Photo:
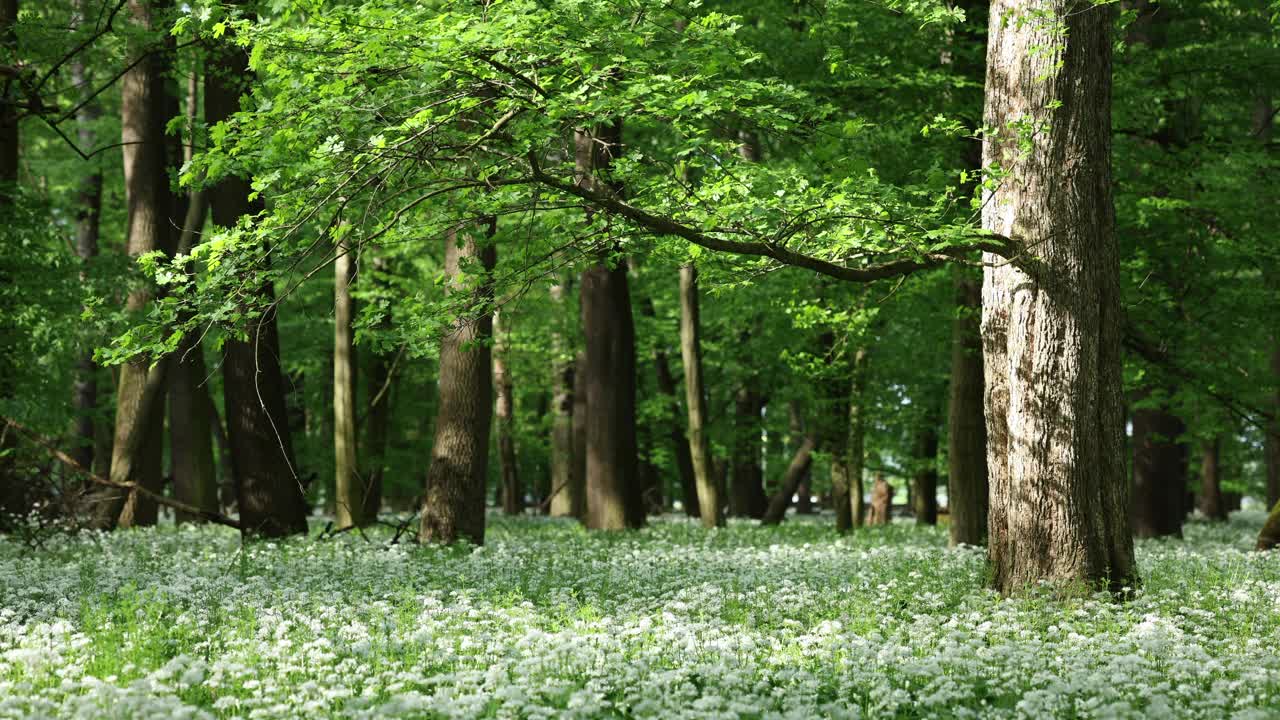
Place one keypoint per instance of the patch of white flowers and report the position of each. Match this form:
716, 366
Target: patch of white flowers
673, 622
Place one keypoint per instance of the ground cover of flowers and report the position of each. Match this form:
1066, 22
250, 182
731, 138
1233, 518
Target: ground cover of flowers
673, 622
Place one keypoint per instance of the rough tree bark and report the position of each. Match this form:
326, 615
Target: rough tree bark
268, 491
1051, 321
966, 425
1211, 503
505, 410
1160, 459
614, 499
348, 487
568, 496
454, 506
709, 503
151, 210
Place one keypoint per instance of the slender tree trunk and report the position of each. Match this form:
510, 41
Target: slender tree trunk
746, 483
800, 465
568, 495
924, 483
579, 505
1051, 320
881, 502
268, 491
855, 454
679, 443
1263, 122
348, 486
375, 428
709, 503
190, 421
505, 409
614, 500
967, 487
454, 507
1211, 504
1159, 473
151, 211
88, 225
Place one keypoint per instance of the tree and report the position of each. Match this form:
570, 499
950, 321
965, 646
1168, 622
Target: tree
695, 399
349, 490
1160, 458
1211, 501
268, 491
512, 492
924, 482
614, 500
454, 505
568, 494
967, 488
1051, 320
139, 425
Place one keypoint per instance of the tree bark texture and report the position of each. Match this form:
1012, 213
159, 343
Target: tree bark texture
614, 499
967, 487
1160, 459
151, 210
348, 486
268, 491
1051, 323
505, 409
454, 507
709, 503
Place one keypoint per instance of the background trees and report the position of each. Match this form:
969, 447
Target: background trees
812, 166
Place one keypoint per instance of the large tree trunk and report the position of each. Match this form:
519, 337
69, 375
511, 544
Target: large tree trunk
799, 468
967, 487
746, 476
614, 499
505, 409
268, 491
348, 486
151, 210
709, 503
568, 496
1159, 473
454, 507
924, 482
1211, 503
1051, 319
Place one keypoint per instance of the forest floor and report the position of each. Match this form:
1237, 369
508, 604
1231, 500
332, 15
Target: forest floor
672, 622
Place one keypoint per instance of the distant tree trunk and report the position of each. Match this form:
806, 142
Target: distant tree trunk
568, 495
855, 453
349, 490
679, 443
454, 507
881, 502
505, 409
614, 499
579, 505
709, 503
966, 426
11, 485
801, 462
804, 496
1051, 321
1271, 446
746, 483
190, 422
1159, 473
375, 428
842, 405
268, 491
88, 226
1211, 504
924, 483
151, 211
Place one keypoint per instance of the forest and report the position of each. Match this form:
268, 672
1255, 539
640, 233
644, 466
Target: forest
639, 358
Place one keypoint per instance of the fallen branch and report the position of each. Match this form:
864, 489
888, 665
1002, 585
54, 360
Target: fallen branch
65, 459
